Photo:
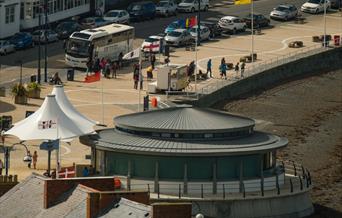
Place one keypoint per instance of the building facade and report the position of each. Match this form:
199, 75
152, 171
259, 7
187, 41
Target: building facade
9, 17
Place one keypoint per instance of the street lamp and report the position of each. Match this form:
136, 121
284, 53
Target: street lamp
7, 149
45, 38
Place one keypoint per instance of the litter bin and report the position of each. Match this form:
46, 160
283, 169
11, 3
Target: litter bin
70, 74
337, 39
33, 78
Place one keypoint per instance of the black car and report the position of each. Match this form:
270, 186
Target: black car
65, 29
337, 4
215, 29
142, 11
259, 21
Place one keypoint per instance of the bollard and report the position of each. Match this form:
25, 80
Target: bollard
201, 190
10, 178
224, 192
179, 191
291, 185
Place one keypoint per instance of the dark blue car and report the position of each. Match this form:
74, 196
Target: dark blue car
22, 40
142, 11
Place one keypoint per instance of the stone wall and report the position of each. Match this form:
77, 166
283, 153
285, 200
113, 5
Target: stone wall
326, 61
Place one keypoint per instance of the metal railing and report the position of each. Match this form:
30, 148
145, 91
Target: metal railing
296, 179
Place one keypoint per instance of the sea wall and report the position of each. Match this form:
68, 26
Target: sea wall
326, 61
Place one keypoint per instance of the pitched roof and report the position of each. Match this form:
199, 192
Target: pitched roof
29, 195
126, 209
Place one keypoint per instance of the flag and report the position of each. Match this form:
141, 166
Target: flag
242, 2
187, 23
182, 23
132, 54
193, 21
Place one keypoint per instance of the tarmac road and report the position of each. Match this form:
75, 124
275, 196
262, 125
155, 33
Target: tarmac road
29, 57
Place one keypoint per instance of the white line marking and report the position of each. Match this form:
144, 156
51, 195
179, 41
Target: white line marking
68, 150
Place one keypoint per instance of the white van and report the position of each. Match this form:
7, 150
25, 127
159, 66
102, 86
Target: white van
232, 24
193, 5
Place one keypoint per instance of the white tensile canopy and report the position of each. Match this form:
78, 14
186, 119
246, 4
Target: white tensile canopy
49, 122
64, 103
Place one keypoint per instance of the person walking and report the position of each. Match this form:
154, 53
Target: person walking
153, 60
141, 80
242, 69
120, 57
1, 166
114, 67
136, 75
223, 70
89, 66
237, 69
34, 159
107, 68
209, 72
30, 157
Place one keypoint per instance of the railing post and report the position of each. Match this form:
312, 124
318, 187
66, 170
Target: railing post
158, 190
303, 171
301, 183
294, 168
224, 191
277, 184
148, 188
282, 163
262, 187
243, 190
309, 176
201, 190
291, 185
179, 191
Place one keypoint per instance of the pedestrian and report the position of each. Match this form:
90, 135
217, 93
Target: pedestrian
209, 72
97, 65
29, 159
89, 65
141, 79
85, 172
237, 70
223, 70
1, 166
103, 63
120, 60
34, 159
191, 68
153, 60
107, 68
242, 69
149, 73
114, 67
136, 75
167, 60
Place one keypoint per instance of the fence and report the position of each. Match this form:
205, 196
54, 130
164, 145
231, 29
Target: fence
292, 178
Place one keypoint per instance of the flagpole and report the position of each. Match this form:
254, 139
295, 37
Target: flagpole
58, 152
252, 28
139, 80
325, 24
196, 65
102, 97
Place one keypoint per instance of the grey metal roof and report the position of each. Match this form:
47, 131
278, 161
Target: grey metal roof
183, 119
114, 140
127, 209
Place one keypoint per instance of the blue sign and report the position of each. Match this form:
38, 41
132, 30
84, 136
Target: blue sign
49, 145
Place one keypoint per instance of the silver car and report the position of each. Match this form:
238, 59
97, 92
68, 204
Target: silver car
6, 47
284, 12
178, 37
39, 35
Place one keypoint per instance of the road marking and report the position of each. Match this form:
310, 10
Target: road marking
68, 150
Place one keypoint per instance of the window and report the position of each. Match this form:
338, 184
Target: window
10, 12
22, 8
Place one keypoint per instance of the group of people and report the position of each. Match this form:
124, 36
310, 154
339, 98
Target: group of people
107, 66
223, 68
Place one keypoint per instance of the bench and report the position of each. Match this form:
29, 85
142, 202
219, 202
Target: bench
296, 44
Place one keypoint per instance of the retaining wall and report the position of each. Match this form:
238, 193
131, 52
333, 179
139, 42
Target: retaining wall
329, 60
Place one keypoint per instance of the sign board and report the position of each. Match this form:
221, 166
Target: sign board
49, 145
47, 124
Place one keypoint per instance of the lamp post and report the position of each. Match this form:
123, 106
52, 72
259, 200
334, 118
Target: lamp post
39, 54
45, 38
7, 150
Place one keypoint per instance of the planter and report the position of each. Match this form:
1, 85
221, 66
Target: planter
20, 99
35, 93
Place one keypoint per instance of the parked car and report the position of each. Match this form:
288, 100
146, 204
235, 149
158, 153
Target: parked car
142, 10
22, 40
152, 44
336, 4
65, 29
259, 21
284, 12
205, 32
232, 24
39, 35
6, 47
174, 25
166, 8
178, 37
214, 28
315, 6
193, 5
117, 16
93, 22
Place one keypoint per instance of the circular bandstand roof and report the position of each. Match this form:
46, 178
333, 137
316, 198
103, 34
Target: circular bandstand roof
184, 131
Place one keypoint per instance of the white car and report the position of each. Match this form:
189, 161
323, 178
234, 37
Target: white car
152, 44
166, 8
39, 35
205, 32
232, 24
6, 47
315, 6
117, 16
192, 5
178, 37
